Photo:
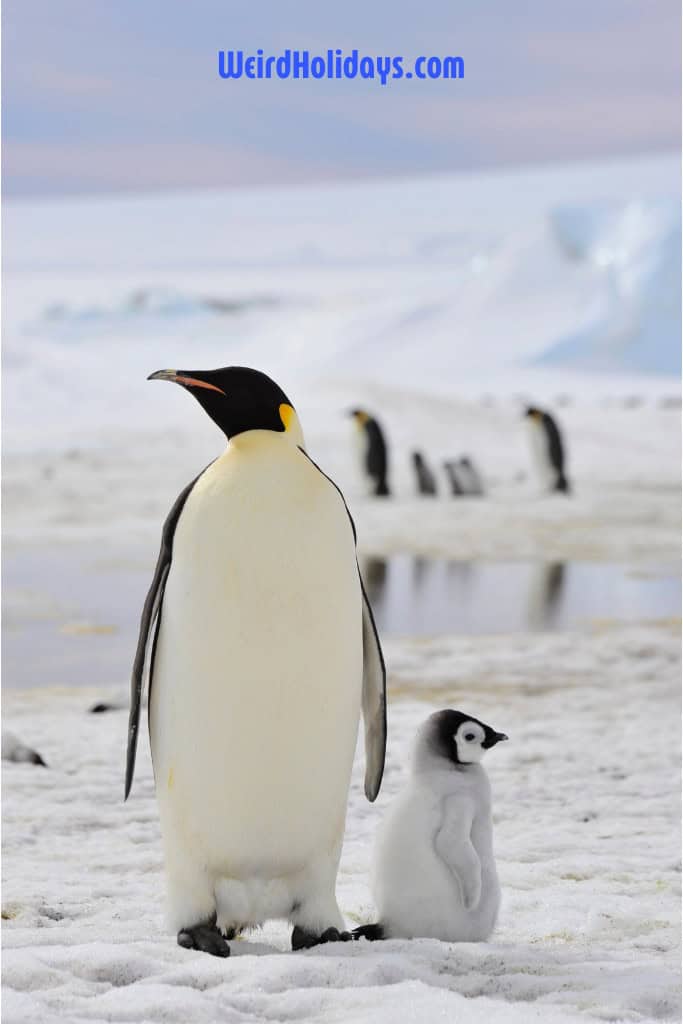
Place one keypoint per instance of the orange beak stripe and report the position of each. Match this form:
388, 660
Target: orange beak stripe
193, 382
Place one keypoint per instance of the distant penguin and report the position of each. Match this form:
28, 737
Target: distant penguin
434, 873
470, 477
453, 477
426, 481
14, 750
262, 651
548, 450
372, 448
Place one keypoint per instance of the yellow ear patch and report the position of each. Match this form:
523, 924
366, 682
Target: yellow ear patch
361, 418
287, 415
170, 779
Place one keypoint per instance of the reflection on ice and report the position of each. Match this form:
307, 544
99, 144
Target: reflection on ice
85, 632
422, 596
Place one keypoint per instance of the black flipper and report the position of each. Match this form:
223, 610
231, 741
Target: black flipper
374, 701
374, 681
151, 613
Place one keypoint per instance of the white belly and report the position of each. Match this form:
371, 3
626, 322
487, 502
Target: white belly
257, 680
366, 484
539, 452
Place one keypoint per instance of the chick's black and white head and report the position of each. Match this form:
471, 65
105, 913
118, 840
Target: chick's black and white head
460, 738
238, 399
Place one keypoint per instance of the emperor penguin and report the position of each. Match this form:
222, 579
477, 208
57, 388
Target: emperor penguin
262, 649
372, 450
548, 449
471, 477
426, 481
434, 873
453, 476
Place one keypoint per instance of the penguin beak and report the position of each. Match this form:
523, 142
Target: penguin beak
188, 379
492, 739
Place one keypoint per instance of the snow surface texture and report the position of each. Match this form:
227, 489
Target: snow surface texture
585, 830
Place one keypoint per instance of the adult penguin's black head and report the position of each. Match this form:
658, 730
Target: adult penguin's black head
238, 399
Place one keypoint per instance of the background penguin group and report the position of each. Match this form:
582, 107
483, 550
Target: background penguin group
462, 475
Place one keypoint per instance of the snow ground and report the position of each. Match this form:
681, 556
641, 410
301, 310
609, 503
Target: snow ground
586, 830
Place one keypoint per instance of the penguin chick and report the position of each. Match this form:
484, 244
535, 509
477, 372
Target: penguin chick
373, 453
434, 874
453, 476
472, 478
426, 481
14, 750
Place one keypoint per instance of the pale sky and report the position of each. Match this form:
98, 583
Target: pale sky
108, 95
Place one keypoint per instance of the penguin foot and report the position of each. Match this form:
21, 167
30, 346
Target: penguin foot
204, 937
371, 932
301, 939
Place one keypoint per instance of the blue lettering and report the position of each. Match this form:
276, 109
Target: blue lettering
383, 68
230, 63
453, 67
300, 64
283, 65
367, 68
351, 65
318, 67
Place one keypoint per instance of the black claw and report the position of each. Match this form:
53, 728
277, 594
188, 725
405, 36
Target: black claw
371, 932
204, 937
301, 939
